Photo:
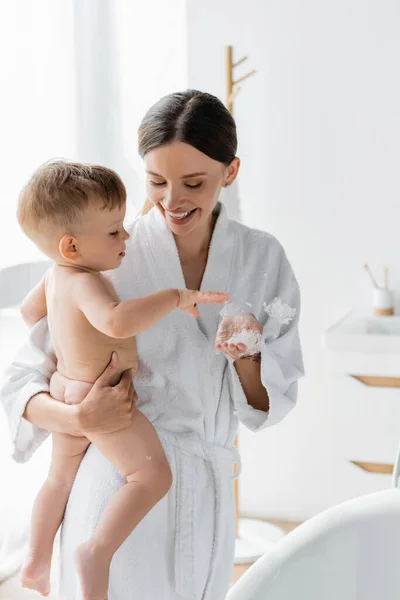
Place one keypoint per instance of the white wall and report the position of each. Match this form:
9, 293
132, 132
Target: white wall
319, 130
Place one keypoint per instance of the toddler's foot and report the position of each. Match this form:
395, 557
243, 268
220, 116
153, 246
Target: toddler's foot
36, 576
93, 568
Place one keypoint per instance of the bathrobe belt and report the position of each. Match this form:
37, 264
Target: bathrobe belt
221, 461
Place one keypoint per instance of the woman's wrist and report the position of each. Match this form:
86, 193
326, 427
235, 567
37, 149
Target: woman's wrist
81, 418
75, 419
254, 357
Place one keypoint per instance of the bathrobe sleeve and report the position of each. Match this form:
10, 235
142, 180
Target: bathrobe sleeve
29, 373
281, 356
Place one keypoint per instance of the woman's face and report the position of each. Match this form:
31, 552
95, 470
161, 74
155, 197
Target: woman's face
184, 184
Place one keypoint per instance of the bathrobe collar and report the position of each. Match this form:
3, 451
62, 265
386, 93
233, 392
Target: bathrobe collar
162, 248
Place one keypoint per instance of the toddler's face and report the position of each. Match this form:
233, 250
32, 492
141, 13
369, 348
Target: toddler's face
102, 239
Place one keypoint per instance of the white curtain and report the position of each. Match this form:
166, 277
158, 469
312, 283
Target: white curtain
37, 107
76, 77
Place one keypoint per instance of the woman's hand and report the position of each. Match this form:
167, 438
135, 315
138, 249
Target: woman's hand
239, 336
108, 408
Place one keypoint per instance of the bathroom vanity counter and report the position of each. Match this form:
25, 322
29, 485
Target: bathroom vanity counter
365, 343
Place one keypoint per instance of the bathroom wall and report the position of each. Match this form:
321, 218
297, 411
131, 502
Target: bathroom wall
319, 129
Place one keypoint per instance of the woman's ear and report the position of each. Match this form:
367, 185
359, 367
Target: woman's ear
232, 171
68, 248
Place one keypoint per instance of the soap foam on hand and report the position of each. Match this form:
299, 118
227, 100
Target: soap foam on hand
249, 337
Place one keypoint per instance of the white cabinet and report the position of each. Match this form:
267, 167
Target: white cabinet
365, 419
362, 389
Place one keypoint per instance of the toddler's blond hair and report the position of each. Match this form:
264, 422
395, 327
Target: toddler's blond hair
60, 191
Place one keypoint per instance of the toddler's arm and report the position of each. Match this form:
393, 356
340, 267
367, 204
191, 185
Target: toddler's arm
34, 307
127, 319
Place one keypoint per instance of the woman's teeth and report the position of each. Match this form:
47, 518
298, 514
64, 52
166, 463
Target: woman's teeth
179, 215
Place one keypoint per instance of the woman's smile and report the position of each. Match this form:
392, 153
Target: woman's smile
180, 218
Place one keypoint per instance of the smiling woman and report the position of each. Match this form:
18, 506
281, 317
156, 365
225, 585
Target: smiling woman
205, 154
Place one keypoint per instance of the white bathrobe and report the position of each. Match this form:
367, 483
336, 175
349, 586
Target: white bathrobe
184, 548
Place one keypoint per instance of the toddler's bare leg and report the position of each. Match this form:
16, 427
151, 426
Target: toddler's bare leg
48, 509
137, 452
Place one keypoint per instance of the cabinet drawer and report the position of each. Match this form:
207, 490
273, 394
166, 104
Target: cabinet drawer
365, 420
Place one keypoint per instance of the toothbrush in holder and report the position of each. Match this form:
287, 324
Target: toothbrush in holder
382, 299
373, 280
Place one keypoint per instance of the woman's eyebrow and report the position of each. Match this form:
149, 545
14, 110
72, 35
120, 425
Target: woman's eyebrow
188, 176
192, 175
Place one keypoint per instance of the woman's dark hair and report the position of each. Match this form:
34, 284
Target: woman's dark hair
193, 117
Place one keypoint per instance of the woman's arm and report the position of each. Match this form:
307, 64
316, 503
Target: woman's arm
44, 412
249, 372
29, 374
247, 365
264, 386
31, 411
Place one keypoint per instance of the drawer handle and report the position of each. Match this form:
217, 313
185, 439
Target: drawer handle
370, 467
375, 381
382, 468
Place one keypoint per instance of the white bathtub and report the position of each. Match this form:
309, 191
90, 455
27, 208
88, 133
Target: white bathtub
349, 552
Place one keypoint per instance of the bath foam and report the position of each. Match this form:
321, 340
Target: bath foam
249, 337
280, 311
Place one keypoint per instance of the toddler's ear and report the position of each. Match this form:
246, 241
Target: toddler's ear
68, 248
